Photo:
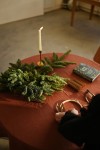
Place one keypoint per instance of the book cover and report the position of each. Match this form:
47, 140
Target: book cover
88, 72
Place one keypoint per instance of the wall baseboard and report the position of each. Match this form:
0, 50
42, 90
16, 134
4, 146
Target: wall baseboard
96, 11
52, 8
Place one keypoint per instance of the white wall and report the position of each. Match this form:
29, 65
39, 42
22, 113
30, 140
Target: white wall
52, 5
12, 10
58, 3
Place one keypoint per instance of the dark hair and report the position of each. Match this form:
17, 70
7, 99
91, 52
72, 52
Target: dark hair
94, 105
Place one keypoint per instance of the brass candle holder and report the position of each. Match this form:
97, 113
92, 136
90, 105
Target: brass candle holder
40, 63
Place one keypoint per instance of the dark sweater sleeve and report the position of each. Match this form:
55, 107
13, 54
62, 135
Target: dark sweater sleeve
83, 111
68, 116
72, 127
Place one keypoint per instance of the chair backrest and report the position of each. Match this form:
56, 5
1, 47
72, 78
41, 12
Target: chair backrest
96, 57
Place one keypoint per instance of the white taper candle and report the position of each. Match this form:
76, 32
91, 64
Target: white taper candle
40, 39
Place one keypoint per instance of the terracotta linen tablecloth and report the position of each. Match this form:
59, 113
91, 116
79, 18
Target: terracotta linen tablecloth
32, 126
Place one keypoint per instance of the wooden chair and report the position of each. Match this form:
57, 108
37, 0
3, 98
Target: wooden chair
96, 57
93, 3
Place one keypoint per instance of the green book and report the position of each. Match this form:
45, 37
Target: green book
88, 72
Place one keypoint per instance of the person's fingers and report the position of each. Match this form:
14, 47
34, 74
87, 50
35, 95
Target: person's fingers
74, 111
59, 115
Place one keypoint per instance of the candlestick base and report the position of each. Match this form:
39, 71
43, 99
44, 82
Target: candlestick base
40, 63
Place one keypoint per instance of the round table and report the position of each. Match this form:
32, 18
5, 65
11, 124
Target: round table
32, 126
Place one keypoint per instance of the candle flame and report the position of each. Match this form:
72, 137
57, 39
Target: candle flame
41, 28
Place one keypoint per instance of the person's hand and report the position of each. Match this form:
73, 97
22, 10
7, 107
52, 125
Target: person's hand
74, 111
59, 115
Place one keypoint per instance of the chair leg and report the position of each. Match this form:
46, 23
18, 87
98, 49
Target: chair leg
91, 13
96, 57
73, 12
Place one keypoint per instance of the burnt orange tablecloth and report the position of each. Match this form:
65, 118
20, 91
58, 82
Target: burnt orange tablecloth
32, 126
